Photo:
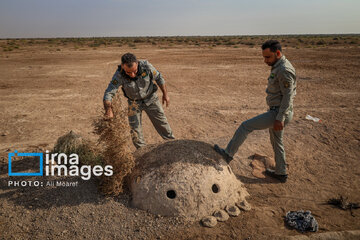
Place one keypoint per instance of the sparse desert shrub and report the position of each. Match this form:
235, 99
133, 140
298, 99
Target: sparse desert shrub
321, 42
74, 143
11, 43
229, 43
94, 45
139, 40
249, 43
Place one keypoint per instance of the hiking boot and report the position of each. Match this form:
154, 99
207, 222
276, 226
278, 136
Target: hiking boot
271, 173
222, 152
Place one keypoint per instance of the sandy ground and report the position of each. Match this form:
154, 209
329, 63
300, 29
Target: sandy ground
45, 94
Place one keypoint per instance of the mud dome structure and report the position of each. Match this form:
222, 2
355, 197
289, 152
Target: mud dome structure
184, 178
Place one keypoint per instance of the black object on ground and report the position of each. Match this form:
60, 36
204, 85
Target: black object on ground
302, 221
271, 173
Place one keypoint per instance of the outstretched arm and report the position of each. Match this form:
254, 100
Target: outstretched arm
109, 94
161, 83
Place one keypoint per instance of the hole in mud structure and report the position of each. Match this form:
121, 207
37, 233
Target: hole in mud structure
171, 194
215, 188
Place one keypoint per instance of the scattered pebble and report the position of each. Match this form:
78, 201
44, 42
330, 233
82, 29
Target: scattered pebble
232, 210
221, 215
244, 205
209, 221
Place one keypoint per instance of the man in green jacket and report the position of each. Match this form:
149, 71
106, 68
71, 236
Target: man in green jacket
281, 90
136, 79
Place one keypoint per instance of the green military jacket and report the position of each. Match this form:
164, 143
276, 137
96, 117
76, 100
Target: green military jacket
139, 88
281, 88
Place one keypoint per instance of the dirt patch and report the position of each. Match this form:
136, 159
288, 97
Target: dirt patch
260, 163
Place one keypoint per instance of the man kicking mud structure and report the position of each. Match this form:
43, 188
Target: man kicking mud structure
281, 90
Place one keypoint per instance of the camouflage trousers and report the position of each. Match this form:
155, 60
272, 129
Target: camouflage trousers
263, 121
156, 114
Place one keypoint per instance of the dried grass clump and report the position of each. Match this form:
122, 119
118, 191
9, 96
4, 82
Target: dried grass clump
74, 143
114, 137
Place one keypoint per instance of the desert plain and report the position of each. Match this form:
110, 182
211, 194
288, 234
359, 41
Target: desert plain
51, 86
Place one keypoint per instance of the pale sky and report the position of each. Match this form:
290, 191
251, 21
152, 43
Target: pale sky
117, 18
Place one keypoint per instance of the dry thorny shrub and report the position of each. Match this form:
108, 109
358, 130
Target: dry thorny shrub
74, 143
114, 137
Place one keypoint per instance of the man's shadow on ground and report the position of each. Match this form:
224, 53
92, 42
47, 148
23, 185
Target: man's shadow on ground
254, 180
259, 164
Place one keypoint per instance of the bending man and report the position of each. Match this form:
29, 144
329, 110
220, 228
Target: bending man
136, 81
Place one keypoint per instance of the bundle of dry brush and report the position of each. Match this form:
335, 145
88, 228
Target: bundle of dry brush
115, 140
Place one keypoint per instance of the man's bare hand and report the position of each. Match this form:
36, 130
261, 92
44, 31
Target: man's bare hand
166, 99
108, 114
278, 125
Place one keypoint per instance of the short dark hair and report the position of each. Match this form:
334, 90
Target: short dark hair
274, 45
128, 59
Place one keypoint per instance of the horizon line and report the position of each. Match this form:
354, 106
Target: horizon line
164, 36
